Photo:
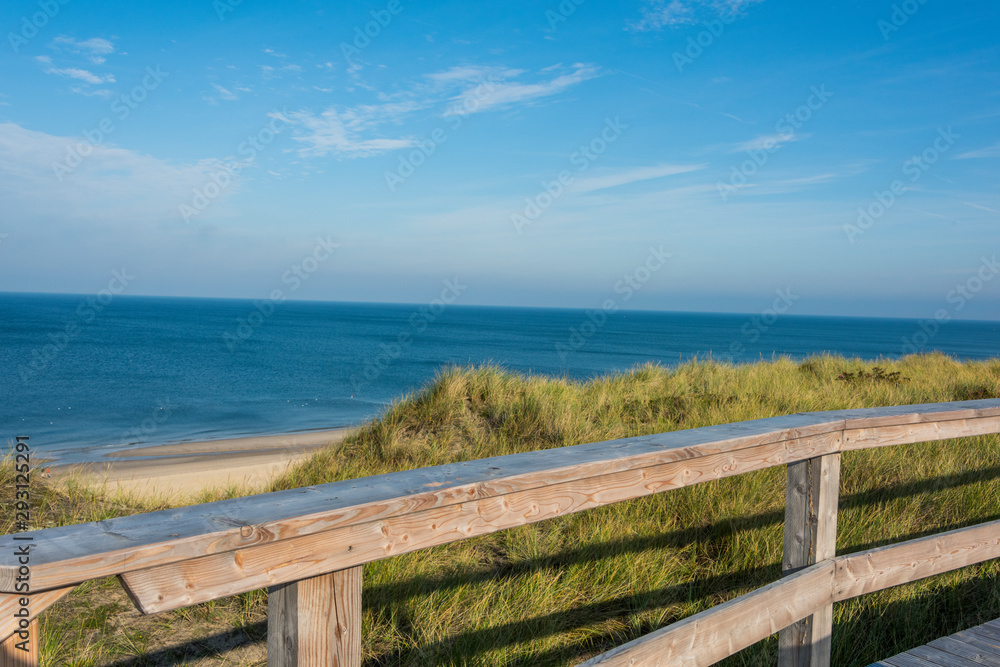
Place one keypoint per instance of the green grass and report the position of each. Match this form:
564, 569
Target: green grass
563, 590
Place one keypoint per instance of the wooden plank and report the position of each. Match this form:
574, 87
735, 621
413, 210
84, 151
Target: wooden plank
987, 630
943, 658
907, 660
87, 551
977, 643
885, 436
966, 650
316, 622
714, 634
811, 495
990, 642
181, 584
11, 603
17, 651
876, 569
917, 413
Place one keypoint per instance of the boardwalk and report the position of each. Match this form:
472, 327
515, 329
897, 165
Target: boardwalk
975, 647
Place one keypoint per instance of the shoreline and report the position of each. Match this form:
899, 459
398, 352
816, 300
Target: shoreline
181, 470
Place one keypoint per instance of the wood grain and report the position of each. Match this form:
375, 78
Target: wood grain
712, 635
701, 639
79, 553
10, 603
966, 650
884, 436
877, 569
812, 491
316, 622
12, 656
87, 551
181, 584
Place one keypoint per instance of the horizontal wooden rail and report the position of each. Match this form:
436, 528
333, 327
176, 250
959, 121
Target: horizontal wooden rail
188, 555
717, 633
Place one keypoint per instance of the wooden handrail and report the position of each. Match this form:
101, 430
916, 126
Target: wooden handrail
717, 633
184, 556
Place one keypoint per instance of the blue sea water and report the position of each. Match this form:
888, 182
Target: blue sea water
82, 378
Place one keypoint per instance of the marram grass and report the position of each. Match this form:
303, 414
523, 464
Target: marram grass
563, 590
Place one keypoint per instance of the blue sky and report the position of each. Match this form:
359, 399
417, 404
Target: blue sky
534, 151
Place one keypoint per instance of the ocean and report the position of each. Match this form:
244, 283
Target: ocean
87, 375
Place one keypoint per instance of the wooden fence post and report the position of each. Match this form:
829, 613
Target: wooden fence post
12, 656
316, 622
810, 536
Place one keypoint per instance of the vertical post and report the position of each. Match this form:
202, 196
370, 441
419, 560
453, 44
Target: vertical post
12, 656
316, 622
811, 496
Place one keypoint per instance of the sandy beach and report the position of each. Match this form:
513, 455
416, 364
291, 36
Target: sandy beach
177, 471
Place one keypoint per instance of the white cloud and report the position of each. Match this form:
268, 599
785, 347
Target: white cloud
94, 49
624, 177
491, 93
225, 93
659, 14
465, 74
338, 133
270, 72
110, 184
768, 141
347, 132
92, 92
81, 74
981, 207
988, 152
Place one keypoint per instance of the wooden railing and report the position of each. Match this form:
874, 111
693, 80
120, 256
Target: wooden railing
307, 545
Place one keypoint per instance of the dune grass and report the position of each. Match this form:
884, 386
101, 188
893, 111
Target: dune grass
560, 591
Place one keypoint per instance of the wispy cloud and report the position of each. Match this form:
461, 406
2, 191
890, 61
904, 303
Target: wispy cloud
980, 207
111, 183
660, 14
75, 73
498, 94
768, 141
988, 152
94, 49
84, 76
269, 72
352, 132
634, 175
339, 133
